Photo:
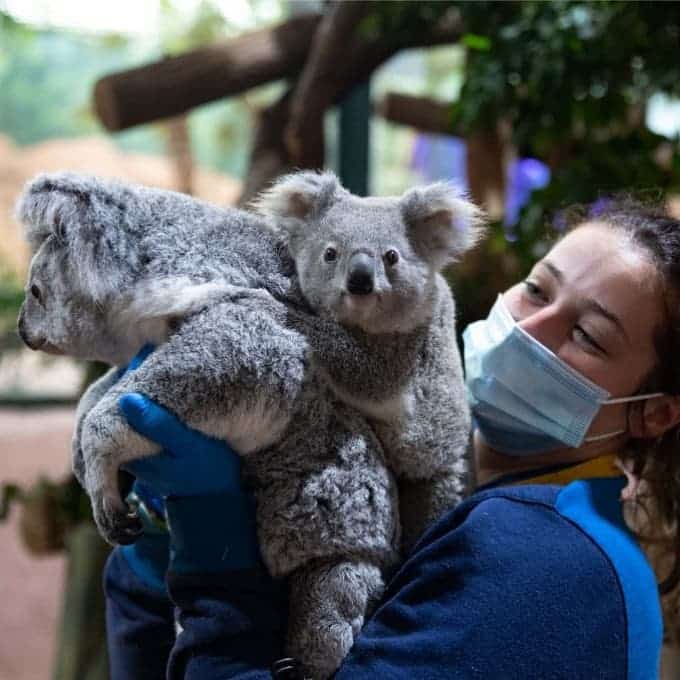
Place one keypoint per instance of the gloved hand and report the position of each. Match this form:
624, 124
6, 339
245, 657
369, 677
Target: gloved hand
210, 518
190, 464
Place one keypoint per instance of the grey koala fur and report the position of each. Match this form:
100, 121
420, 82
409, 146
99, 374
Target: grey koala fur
240, 356
397, 361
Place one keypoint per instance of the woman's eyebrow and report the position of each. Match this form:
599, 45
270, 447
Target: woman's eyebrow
590, 303
553, 270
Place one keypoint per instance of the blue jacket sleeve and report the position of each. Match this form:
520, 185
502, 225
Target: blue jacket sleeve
231, 615
504, 587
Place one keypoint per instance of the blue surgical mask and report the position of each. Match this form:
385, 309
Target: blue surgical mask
524, 399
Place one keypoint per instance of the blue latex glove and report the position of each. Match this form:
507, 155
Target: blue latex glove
190, 464
210, 518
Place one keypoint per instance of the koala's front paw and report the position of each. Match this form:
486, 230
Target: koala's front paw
117, 524
106, 442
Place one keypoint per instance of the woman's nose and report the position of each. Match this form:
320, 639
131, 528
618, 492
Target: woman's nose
547, 325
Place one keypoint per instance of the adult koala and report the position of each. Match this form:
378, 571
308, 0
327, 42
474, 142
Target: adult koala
240, 356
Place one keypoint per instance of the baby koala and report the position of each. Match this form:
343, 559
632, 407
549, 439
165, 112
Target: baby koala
371, 267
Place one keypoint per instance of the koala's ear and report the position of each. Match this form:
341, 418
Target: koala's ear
301, 196
90, 222
442, 224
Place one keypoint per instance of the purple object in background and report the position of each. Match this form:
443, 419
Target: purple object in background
441, 157
525, 175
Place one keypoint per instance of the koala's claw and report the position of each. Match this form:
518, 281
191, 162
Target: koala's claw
118, 525
124, 529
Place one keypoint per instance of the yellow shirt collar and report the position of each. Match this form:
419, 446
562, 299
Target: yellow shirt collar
603, 466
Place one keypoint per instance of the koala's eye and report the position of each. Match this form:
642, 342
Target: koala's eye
391, 257
35, 292
330, 255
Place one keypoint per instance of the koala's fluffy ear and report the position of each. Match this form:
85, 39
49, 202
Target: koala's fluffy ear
88, 220
300, 195
442, 223
296, 200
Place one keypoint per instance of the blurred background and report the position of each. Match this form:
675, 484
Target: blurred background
531, 107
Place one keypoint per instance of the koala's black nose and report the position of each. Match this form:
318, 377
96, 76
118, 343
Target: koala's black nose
27, 340
21, 327
360, 276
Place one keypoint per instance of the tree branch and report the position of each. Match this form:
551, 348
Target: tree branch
177, 84
426, 115
331, 80
268, 157
317, 85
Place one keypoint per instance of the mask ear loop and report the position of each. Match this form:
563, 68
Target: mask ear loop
638, 397
600, 437
622, 400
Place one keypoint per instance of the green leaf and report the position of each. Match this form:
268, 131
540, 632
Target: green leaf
476, 42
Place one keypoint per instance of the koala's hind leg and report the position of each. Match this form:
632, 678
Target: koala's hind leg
329, 602
423, 501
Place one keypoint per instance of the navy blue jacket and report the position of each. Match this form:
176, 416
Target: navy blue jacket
533, 581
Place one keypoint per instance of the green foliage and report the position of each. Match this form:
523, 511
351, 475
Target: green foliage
11, 297
46, 79
562, 68
396, 21
571, 80
206, 25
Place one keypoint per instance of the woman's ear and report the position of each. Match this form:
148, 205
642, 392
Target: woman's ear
656, 416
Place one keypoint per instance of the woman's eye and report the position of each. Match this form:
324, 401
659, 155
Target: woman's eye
330, 255
391, 257
587, 339
534, 291
35, 292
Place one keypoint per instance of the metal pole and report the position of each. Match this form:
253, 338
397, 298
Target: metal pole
355, 111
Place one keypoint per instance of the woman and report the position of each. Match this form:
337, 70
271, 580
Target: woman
572, 375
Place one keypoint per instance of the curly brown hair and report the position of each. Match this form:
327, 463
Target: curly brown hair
656, 463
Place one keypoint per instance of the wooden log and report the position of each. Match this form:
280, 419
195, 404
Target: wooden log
269, 156
176, 84
356, 62
422, 113
316, 87
178, 145
488, 151
488, 156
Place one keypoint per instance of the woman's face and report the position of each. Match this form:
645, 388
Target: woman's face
595, 301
